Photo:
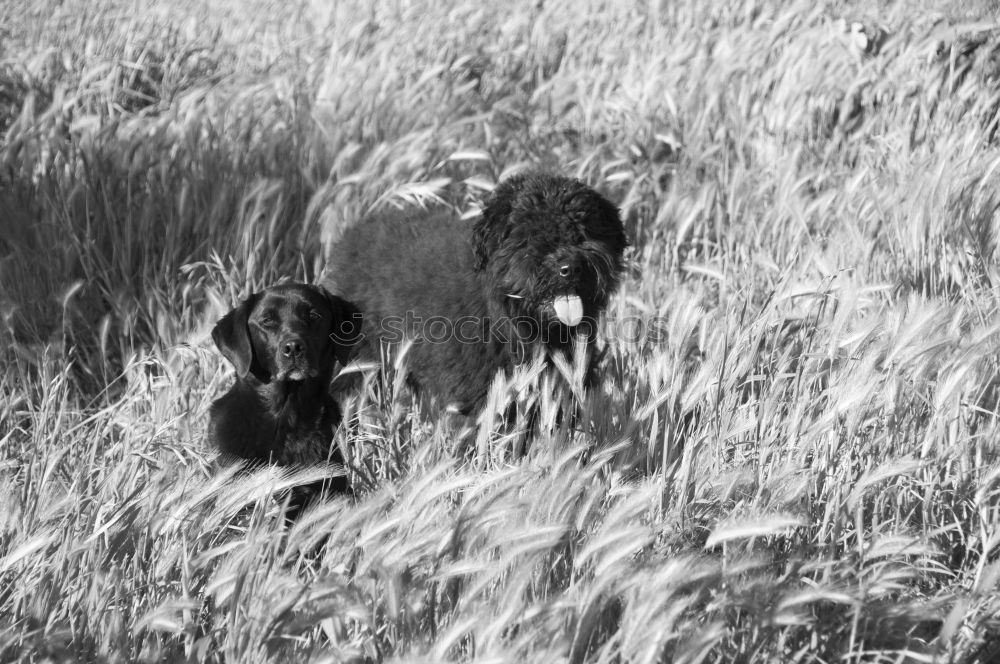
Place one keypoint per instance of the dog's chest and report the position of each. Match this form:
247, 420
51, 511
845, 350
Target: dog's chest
304, 440
306, 449
304, 437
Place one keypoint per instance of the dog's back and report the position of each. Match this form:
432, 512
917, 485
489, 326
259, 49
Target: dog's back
413, 279
391, 264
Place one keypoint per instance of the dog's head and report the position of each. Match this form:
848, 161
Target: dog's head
290, 332
550, 249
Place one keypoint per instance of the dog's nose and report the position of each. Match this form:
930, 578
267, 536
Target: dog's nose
292, 348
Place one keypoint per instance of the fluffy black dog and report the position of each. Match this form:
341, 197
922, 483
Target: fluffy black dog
537, 268
284, 343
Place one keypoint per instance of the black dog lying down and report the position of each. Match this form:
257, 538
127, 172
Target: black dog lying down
533, 273
283, 343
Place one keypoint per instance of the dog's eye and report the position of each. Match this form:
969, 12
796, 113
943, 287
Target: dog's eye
314, 315
268, 321
565, 270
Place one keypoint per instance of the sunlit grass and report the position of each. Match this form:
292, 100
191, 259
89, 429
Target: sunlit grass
800, 466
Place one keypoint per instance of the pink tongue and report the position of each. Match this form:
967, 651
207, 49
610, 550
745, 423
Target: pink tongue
569, 309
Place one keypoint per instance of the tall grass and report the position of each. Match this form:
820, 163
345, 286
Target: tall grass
801, 466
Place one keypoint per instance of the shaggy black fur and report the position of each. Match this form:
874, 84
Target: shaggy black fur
284, 343
495, 282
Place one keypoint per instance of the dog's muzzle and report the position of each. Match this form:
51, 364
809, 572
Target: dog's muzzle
569, 309
296, 369
296, 374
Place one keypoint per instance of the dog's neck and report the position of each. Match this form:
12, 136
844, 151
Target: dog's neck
296, 404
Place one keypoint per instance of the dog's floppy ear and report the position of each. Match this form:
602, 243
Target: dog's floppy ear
232, 336
609, 227
345, 329
494, 225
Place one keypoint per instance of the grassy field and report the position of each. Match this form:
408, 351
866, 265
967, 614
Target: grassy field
802, 467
